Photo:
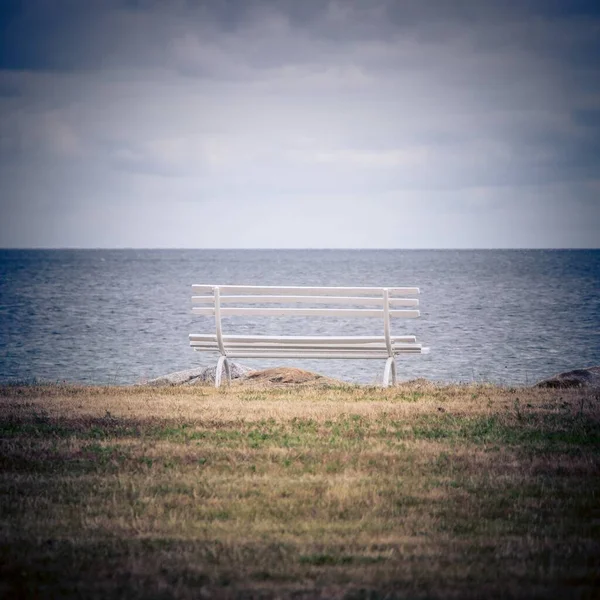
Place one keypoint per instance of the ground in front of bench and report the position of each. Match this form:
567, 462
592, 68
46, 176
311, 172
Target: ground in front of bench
299, 492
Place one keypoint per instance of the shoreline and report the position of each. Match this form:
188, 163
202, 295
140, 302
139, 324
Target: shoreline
584, 378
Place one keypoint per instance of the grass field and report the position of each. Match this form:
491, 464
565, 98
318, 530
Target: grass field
419, 491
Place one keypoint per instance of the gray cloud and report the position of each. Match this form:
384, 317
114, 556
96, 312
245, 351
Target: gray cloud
478, 115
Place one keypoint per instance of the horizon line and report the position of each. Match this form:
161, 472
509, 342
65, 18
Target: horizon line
279, 249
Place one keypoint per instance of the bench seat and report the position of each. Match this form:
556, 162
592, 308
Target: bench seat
248, 346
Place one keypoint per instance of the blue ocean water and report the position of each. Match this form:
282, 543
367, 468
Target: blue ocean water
122, 316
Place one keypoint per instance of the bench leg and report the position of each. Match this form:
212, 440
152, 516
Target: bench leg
222, 362
390, 367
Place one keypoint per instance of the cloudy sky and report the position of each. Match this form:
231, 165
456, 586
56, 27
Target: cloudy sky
287, 123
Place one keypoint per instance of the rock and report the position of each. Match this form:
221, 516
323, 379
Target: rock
282, 375
587, 378
199, 375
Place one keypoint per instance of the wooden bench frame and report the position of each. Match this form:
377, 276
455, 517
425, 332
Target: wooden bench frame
383, 303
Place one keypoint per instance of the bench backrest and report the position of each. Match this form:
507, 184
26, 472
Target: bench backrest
241, 300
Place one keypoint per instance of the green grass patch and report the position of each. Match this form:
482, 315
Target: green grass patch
348, 493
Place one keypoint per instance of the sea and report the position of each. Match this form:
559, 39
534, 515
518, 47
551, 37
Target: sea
510, 317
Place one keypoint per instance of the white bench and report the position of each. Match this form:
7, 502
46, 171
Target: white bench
218, 301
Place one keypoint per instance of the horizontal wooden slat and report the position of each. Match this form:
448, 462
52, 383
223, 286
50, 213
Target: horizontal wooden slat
298, 347
304, 291
404, 302
296, 350
300, 344
354, 339
305, 312
362, 301
303, 354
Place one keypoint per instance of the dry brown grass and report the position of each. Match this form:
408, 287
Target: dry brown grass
299, 491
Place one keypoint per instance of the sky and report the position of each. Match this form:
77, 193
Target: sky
300, 124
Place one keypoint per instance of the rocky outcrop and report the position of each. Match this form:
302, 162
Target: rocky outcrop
276, 376
199, 376
579, 378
